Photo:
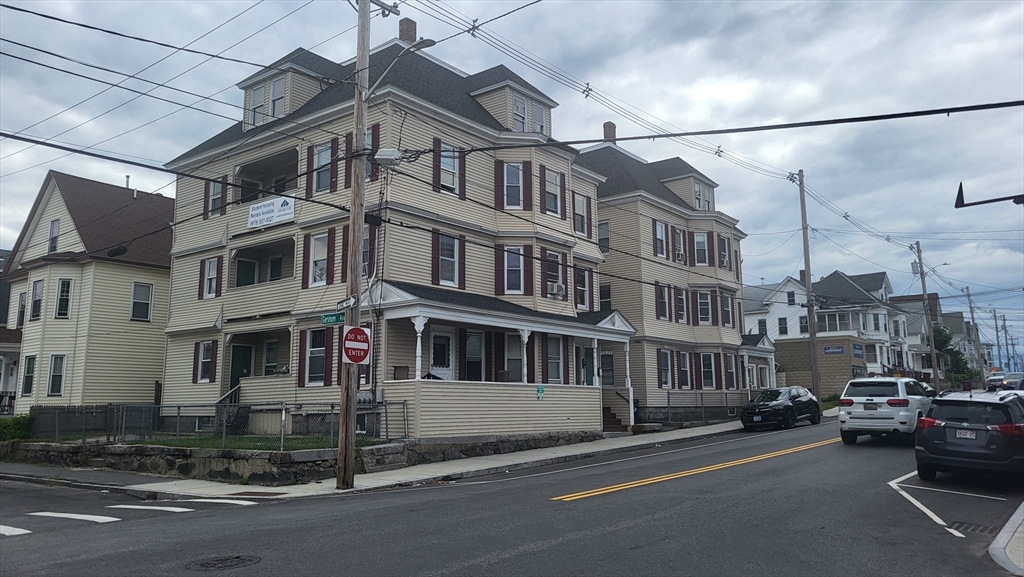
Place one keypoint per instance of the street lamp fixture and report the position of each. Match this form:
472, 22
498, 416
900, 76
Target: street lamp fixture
418, 45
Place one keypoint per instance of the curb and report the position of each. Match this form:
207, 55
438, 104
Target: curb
997, 550
53, 481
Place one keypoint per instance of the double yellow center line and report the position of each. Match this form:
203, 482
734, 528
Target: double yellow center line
681, 474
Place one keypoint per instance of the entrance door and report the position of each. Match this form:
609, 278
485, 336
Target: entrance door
584, 365
241, 366
441, 353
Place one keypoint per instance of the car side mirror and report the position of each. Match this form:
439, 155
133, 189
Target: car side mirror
930, 393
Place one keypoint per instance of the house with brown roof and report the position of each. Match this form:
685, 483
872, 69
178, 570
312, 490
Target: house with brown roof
89, 277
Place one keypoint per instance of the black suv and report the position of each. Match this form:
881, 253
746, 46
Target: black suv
780, 407
971, 431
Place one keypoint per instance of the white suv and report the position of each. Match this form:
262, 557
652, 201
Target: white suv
881, 405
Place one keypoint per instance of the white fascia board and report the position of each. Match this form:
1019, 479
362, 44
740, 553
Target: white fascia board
609, 144
693, 175
516, 88
271, 72
200, 248
404, 44
437, 113
579, 171
578, 256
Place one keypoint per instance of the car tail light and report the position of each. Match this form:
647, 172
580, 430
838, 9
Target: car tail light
1009, 429
845, 402
898, 402
928, 422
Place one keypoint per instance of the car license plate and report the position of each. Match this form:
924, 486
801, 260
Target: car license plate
870, 407
966, 434
756, 418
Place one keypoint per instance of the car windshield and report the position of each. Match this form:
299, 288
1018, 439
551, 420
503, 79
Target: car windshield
1013, 376
872, 389
971, 413
772, 395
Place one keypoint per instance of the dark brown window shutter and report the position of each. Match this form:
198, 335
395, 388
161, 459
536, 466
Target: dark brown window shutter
736, 263
654, 237
673, 372
499, 184
590, 288
676, 292
330, 255
202, 278
195, 363
463, 157
500, 347
310, 154
531, 358
693, 250
528, 270
715, 304
565, 360
697, 369
213, 362
673, 248
435, 255
463, 368
661, 367
224, 195
328, 355
561, 186
374, 167
436, 165
543, 187
344, 254
462, 261
712, 255
348, 160
305, 261
499, 269
718, 370
543, 272
334, 164
206, 200
543, 357
590, 220
565, 276
657, 293
302, 357
220, 274
694, 308
371, 266
527, 179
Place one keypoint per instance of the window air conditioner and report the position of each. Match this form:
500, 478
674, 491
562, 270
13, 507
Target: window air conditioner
556, 290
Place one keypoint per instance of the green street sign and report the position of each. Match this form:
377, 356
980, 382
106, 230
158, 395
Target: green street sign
332, 319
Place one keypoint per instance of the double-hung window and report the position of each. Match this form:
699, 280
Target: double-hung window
315, 366
553, 268
680, 305
256, 97
603, 242
606, 297
726, 311
730, 371
871, 353
579, 213
21, 310
270, 357
366, 250
678, 246
582, 289
318, 260
54, 233
659, 239
518, 113
513, 185
29, 375
791, 298
723, 252
698, 196
662, 303
277, 98
210, 279
205, 361
447, 260
700, 247
37, 300
554, 358
142, 301
513, 270
762, 326
684, 370
62, 308
704, 308
538, 118
274, 268
514, 357
56, 387
707, 370
876, 319
369, 157
322, 169
553, 192
216, 197
474, 357
449, 169
783, 326
664, 369
804, 329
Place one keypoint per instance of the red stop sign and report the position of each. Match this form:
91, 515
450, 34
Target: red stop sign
355, 345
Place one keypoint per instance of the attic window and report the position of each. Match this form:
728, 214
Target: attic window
256, 104
54, 233
277, 98
518, 113
538, 118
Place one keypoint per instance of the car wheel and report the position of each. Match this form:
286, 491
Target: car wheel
925, 473
849, 438
816, 416
789, 420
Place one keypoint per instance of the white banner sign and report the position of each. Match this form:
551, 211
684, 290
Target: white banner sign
272, 211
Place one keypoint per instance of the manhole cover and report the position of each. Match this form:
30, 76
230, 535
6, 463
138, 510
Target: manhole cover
973, 528
222, 563
256, 494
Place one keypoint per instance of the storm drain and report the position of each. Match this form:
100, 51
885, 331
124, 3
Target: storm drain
973, 528
222, 563
256, 494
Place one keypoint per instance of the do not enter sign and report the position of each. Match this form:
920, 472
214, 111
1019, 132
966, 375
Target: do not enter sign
355, 345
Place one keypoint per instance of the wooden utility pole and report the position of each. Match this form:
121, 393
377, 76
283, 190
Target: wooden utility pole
975, 345
928, 316
812, 321
999, 351
1006, 343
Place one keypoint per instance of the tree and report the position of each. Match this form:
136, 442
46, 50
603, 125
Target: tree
959, 369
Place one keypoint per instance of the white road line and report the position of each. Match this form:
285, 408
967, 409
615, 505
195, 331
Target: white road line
955, 532
12, 531
93, 518
953, 492
916, 503
224, 501
151, 508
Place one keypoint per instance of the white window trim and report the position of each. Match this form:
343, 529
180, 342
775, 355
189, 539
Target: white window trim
726, 309
585, 285
707, 383
312, 260
660, 236
56, 300
607, 236
684, 366
679, 241
557, 192
553, 256
664, 293
482, 357
518, 361
516, 98
681, 298
204, 348
696, 250
256, 270
508, 252
454, 259
450, 152
559, 357
255, 120
369, 159
209, 291
22, 314
534, 124
601, 299
580, 211
724, 250
368, 254
730, 367
309, 349
700, 320
319, 168
518, 166
63, 374
149, 310
51, 245
214, 207
281, 97
270, 259
32, 299
783, 322
25, 374
266, 343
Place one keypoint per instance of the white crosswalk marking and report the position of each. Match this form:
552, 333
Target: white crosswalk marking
151, 508
223, 501
12, 531
93, 518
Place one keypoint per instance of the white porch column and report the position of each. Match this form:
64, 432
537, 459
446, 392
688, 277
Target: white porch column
771, 371
748, 381
524, 335
629, 386
418, 323
597, 378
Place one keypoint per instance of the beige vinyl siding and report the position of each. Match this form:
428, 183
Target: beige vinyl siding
499, 104
125, 358
446, 408
625, 234
682, 187
301, 89
18, 287
178, 388
619, 406
401, 348
37, 243
188, 311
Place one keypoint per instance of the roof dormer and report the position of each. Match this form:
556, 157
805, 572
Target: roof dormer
282, 88
517, 108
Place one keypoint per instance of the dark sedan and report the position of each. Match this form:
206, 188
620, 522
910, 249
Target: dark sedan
781, 408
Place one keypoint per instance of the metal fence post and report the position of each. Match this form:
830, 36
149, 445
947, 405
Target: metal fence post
703, 418
284, 409
83, 425
177, 423
405, 417
330, 421
56, 426
387, 424
224, 427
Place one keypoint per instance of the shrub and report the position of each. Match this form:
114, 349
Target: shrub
18, 427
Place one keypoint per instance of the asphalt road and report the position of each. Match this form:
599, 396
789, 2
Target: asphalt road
775, 503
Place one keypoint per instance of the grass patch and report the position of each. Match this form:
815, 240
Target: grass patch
254, 443
829, 402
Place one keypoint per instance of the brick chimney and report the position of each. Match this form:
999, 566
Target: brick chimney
803, 276
407, 30
609, 131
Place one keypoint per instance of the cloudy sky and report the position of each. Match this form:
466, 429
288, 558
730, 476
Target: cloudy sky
678, 65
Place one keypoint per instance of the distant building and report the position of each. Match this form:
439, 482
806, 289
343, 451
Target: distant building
10, 344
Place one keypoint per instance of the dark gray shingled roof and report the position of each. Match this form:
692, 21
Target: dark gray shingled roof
838, 291
870, 282
754, 297
627, 174
752, 340
412, 73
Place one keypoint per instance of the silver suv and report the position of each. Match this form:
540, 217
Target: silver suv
882, 405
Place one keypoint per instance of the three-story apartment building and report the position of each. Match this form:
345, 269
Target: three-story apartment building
480, 267
673, 269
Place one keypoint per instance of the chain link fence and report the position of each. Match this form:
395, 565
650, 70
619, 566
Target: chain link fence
270, 426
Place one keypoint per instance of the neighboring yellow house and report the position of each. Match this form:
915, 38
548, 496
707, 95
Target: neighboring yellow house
92, 318
482, 276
